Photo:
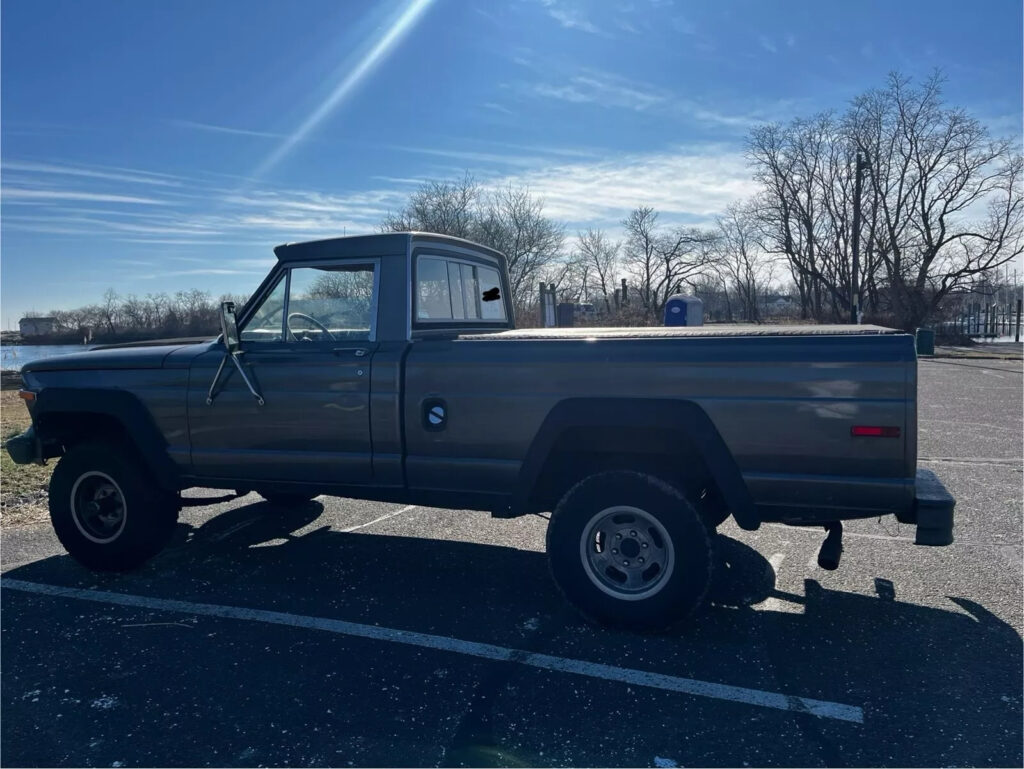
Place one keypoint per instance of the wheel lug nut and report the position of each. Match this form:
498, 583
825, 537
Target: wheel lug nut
618, 535
614, 551
643, 545
625, 563
641, 559
632, 533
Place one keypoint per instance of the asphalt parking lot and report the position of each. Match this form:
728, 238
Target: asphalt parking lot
353, 633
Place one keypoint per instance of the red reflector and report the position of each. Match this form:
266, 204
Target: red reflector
870, 431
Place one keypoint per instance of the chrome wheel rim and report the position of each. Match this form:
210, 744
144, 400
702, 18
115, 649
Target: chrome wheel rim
98, 507
627, 553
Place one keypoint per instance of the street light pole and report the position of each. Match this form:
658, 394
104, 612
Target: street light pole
862, 164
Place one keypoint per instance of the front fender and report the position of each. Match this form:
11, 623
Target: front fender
57, 408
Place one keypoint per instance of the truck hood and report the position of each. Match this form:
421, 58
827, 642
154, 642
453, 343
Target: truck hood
130, 356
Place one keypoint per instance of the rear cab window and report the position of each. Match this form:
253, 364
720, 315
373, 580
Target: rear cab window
450, 290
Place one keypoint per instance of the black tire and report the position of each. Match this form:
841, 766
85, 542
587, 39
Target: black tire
666, 533
106, 509
287, 498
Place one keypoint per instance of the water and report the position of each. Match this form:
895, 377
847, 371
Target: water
14, 356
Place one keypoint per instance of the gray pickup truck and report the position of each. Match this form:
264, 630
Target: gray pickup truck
388, 367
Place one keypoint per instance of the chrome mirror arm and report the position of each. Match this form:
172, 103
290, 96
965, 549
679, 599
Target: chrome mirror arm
216, 378
245, 378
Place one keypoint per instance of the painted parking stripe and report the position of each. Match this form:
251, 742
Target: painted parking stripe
378, 520
757, 697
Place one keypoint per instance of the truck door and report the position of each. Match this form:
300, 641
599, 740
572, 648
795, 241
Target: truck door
307, 349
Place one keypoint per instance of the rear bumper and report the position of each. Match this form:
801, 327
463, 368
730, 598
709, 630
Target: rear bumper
24, 449
932, 511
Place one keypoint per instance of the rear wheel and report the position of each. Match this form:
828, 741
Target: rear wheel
287, 498
106, 509
628, 550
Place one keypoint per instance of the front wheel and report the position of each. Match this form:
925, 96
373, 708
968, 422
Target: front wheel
106, 510
628, 550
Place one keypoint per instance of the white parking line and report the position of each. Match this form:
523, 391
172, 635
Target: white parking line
757, 697
378, 520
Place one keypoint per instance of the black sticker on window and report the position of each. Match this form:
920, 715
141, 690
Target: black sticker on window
491, 295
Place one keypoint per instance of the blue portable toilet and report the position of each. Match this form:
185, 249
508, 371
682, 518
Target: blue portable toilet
682, 310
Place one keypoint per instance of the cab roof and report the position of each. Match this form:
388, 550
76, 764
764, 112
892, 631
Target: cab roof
383, 244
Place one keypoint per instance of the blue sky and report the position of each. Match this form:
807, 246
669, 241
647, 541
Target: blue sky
158, 146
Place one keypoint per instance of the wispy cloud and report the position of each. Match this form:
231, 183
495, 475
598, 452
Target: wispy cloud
96, 197
684, 25
134, 177
767, 44
197, 213
472, 157
570, 16
613, 91
203, 271
593, 87
691, 183
230, 130
581, 186
627, 26
498, 108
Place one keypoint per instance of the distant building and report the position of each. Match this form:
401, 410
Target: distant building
779, 304
37, 326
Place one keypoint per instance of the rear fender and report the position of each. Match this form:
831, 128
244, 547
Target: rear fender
684, 417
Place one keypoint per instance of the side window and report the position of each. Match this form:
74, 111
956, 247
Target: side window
317, 304
447, 289
267, 323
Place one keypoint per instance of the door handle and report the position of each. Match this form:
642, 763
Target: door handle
358, 352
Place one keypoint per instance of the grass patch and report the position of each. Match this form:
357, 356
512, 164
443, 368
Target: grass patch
22, 487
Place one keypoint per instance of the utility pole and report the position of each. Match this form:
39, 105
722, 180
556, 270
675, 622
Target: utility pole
862, 164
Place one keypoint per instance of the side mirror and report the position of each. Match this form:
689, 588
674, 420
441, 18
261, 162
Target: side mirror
229, 327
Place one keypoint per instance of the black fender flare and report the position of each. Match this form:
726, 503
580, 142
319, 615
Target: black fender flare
682, 415
123, 407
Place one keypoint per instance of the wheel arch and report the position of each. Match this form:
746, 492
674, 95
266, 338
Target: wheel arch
666, 432
63, 417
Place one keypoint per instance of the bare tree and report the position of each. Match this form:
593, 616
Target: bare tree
661, 262
598, 259
109, 311
947, 198
942, 203
512, 221
806, 206
444, 207
509, 219
746, 268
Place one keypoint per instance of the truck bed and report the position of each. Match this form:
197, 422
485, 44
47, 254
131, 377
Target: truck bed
659, 332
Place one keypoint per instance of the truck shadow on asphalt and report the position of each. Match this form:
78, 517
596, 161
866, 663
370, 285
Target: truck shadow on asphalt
944, 681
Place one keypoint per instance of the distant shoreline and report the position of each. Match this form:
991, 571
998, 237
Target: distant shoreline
16, 338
